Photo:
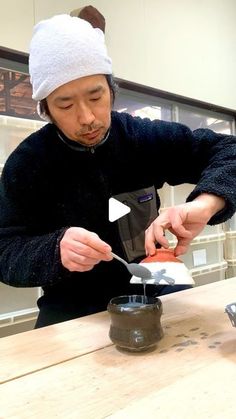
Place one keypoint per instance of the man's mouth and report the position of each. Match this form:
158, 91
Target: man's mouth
91, 135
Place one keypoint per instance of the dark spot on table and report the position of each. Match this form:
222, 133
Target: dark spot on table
185, 343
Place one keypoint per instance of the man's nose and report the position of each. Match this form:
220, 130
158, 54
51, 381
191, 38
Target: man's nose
85, 115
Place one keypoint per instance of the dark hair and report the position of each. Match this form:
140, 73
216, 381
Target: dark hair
113, 86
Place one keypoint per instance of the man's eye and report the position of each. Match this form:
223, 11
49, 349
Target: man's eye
65, 107
93, 99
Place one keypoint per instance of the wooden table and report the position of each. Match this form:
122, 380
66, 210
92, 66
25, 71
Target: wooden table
72, 370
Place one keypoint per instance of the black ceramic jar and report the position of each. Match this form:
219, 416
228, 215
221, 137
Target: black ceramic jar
135, 322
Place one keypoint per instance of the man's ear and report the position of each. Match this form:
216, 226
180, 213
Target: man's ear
91, 15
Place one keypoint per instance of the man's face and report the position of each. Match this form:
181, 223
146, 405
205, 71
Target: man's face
82, 109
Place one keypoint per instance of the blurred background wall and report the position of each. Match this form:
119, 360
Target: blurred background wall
185, 47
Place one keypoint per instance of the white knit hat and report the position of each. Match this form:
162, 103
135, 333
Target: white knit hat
65, 48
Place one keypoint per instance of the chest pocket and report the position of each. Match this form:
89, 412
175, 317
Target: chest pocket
143, 205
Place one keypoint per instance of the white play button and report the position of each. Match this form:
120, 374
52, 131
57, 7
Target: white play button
117, 209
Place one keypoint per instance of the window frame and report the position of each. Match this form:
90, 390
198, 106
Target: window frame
17, 60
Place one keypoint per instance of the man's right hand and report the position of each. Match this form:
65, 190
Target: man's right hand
81, 250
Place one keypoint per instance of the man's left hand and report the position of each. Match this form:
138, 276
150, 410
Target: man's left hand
185, 221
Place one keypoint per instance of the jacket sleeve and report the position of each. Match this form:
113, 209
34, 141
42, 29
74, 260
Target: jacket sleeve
29, 261
29, 253
202, 157
218, 175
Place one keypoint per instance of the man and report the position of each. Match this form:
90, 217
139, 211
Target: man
55, 230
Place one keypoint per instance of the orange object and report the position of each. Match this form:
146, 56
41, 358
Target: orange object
162, 255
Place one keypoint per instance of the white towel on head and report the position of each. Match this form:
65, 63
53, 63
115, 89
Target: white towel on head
65, 48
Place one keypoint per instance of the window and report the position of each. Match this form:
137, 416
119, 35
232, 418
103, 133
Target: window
18, 115
155, 106
138, 104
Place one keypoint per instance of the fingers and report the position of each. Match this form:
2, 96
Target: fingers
177, 218
75, 262
174, 220
154, 234
81, 250
88, 241
181, 247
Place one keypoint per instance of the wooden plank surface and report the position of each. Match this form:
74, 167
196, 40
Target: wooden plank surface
31, 351
206, 393
193, 365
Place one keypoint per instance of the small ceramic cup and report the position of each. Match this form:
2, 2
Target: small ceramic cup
230, 309
135, 322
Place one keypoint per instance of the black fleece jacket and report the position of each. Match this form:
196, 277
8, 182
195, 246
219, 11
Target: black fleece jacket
48, 186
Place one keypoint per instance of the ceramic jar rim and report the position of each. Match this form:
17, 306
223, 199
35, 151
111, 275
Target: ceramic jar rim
115, 305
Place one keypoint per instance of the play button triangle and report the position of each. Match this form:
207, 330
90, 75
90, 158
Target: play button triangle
117, 209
